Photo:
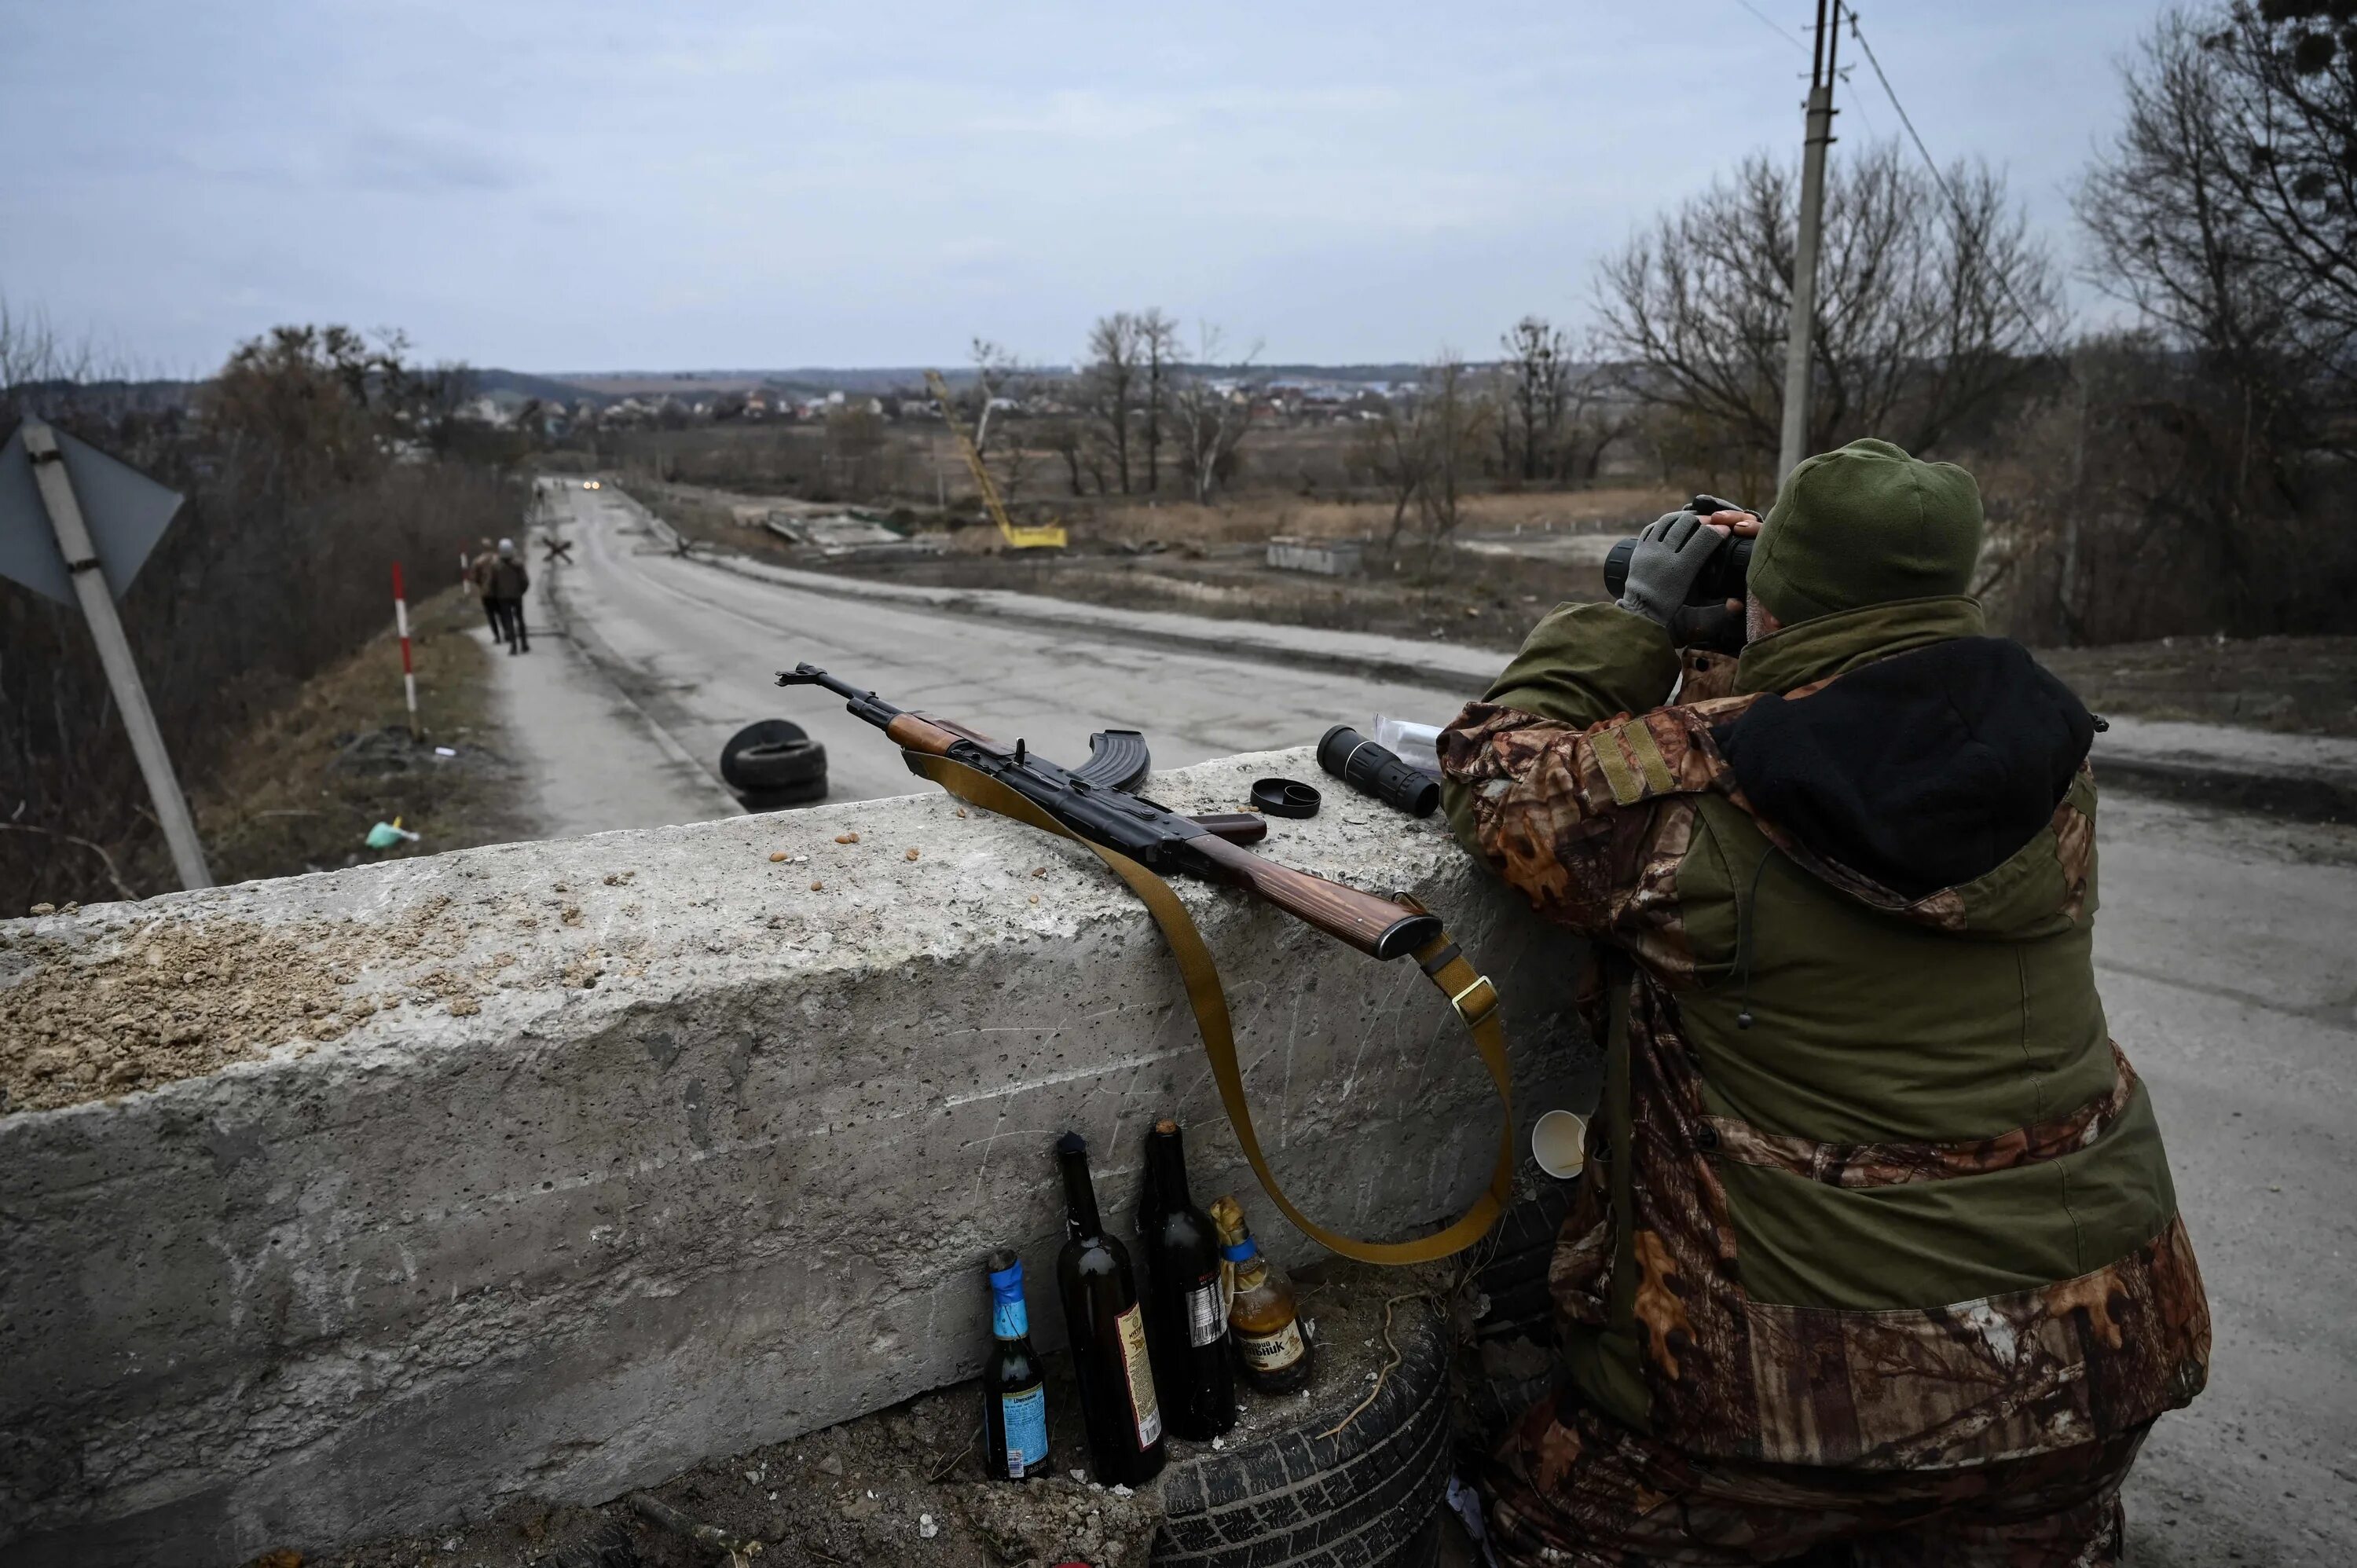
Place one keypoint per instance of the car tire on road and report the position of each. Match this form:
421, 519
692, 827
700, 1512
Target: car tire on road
767, 732
781, 765
1366, 1498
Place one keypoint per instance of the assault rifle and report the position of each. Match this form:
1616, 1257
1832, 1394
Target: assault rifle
1098, 801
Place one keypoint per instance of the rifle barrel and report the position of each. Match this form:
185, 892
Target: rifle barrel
863, 704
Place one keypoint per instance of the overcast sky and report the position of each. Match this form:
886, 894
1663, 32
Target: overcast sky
582, 185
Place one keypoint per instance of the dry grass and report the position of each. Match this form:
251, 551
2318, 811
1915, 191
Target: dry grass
304, 787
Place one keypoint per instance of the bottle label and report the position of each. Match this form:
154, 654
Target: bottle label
1026, 1415
1131, 1325
1272, 1352
1207, 1315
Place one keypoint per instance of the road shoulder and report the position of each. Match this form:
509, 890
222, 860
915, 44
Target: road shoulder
597, 762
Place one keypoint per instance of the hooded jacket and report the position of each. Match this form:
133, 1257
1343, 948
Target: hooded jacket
1870, 1185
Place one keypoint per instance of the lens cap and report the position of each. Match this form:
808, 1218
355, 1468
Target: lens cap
1284, 797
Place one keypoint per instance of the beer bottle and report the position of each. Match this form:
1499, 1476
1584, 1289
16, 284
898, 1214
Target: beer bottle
1187, 1327
1014, 1388
1262, 1317
1107, 1330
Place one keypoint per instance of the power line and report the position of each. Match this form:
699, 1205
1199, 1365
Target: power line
1940, 178
1786, 34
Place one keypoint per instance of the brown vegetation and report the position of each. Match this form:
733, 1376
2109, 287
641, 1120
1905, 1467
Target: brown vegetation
315, 461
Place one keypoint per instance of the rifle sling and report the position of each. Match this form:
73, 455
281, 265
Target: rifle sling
1455, 976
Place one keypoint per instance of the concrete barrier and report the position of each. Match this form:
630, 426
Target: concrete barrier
553, 1169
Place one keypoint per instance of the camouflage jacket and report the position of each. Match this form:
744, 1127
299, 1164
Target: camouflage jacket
1870, 1186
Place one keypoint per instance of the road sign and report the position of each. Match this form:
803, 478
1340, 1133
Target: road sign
103, 532
124, 511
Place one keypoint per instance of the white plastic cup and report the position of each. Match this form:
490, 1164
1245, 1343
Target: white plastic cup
1559, 1143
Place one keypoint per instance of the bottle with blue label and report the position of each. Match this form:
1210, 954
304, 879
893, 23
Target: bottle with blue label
1014, 1387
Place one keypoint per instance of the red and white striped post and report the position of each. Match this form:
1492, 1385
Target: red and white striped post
408, 665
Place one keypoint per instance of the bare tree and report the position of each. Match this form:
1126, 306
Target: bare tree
1209, 417
1538, 377
2225, 213
1395, 446
1456, 422
1930, 302
1157, 336
1110, 381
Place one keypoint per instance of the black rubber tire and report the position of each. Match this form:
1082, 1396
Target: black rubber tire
810, 794
1509, 1362
781, 765
1359, 1499
768, 732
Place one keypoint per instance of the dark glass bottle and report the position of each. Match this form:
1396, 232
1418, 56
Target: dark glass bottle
1106, 1325
1263, 1318
1014, 1388
1187, 1316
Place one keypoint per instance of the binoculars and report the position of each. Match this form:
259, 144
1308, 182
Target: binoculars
1723, 575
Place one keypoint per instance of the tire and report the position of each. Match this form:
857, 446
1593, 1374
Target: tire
1362, 1499
781, 765
768, 732
1511, 1361
810, 794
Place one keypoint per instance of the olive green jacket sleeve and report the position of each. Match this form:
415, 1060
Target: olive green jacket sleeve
1581, 665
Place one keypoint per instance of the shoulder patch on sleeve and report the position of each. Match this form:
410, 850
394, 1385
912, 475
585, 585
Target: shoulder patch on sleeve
1631, 756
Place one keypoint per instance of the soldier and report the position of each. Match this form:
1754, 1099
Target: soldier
1875, 1249
508, 584
479, 583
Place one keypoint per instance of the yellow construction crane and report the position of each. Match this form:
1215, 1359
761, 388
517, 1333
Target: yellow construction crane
1046, 536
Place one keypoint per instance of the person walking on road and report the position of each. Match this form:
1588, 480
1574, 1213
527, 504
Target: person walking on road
508, 584
1875, 1252
479, 583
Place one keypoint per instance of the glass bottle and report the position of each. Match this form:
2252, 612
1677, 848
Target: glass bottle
1186, 1319
1014, 1385
1106, 1325
1263, 1319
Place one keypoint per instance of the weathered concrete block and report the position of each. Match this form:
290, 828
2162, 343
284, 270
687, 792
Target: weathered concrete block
553, 1169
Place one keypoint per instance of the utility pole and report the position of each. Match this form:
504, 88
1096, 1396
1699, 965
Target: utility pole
114, 652
1798, 348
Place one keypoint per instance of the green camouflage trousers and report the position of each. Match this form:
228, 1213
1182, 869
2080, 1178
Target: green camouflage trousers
1571, 1489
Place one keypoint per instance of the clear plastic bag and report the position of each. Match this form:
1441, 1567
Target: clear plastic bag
1411, 742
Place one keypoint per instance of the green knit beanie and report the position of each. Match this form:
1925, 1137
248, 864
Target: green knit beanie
1864, 525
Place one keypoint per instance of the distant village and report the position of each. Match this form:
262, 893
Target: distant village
1046, 394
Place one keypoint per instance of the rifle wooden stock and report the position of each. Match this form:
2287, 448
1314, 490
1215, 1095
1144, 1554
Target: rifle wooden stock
1374, 926
915, 732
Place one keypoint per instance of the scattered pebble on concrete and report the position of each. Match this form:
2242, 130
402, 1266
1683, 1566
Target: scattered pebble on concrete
818, 886
912, 851
846, 838
1039, 871
778, 857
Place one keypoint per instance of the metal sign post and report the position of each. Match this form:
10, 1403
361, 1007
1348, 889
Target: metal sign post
141, 514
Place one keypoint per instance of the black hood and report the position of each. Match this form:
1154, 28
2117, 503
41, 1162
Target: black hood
1920, 771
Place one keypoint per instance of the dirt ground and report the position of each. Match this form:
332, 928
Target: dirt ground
907, 1485
2299, 684
1212, 561
310, 781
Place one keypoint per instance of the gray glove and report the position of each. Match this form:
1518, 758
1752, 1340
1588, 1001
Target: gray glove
1670, 555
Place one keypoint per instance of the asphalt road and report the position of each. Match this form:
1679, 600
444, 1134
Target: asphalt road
2226, 947
698, 650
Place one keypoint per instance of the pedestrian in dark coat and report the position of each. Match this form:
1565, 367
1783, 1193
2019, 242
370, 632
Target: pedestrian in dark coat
508, 584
